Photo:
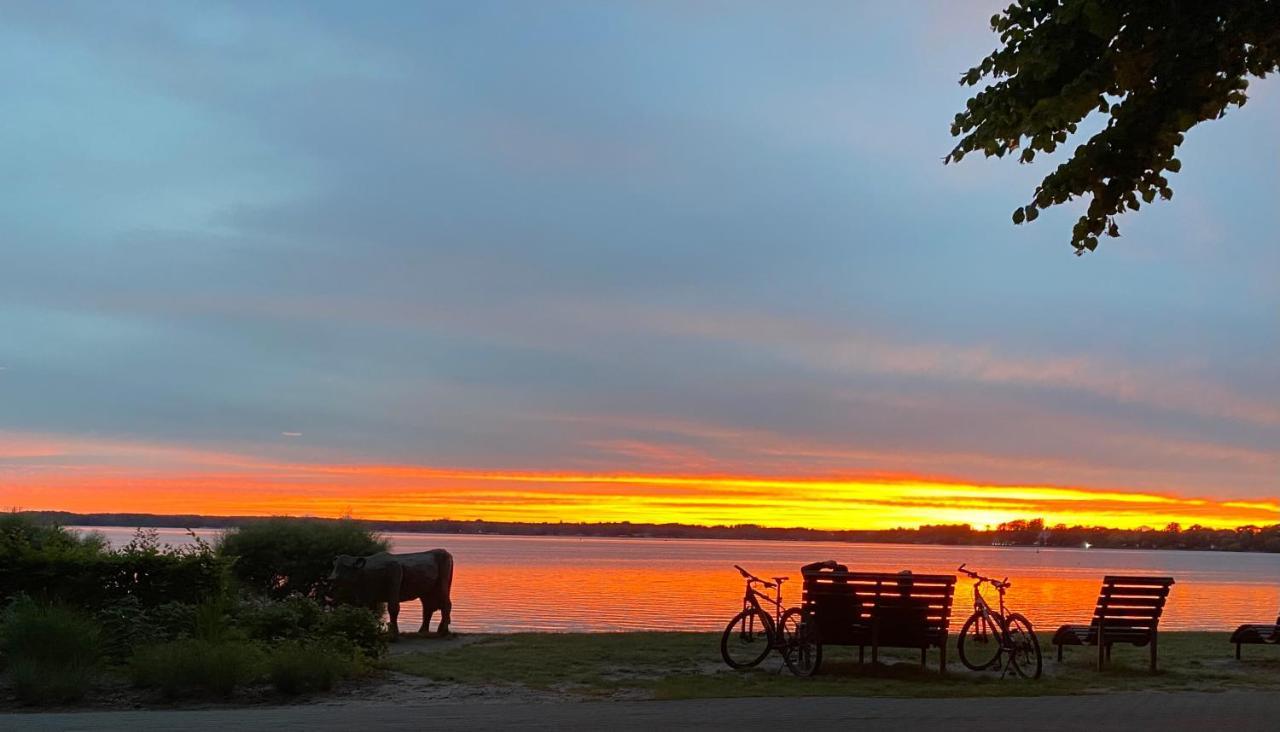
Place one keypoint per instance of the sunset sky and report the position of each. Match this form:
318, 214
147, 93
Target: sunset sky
654, 261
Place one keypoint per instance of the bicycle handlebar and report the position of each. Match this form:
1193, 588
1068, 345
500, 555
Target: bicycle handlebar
752, 578
998, 584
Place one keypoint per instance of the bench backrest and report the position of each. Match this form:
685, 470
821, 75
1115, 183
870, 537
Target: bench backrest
1133, 603
906, 609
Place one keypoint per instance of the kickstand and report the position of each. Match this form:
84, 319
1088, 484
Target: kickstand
1007, 665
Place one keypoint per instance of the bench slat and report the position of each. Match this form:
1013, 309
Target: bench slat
1134, 591
1137, 581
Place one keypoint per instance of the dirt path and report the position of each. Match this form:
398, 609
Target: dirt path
1235, 711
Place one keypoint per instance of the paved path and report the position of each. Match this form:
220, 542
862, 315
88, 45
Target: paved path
1165, 711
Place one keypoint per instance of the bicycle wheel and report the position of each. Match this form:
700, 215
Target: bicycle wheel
802, 649
1026, 646
979, 643
747, 639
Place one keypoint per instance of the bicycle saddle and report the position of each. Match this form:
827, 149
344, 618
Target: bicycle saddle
780, 580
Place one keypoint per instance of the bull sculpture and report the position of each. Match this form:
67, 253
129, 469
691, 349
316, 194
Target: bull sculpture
397, 578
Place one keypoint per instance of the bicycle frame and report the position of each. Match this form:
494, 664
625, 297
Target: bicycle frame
752, 598
980, 605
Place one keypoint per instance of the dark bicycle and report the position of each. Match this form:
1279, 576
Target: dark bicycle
988, 635
754, 632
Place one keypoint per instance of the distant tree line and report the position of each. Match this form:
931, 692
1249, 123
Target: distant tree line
1022, 532
1173, 536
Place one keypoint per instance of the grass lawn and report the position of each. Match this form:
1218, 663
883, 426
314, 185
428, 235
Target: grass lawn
688, 666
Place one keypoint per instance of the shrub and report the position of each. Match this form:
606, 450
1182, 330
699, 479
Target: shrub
22, 535
292, 618
128, 624
356, 625
42, 562
196, 666
51, 653
298, 618
279, 557
295, 667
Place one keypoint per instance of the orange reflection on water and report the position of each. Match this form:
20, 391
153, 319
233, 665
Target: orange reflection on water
557, 583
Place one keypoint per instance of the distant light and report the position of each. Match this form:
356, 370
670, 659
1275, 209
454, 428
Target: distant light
1087, 545
291, 434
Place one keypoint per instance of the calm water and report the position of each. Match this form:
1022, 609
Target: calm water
505, 583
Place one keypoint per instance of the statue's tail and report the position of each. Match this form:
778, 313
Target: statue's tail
446, 577
445, 588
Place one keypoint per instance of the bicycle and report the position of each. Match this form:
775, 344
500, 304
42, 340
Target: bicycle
754, 632
987, 634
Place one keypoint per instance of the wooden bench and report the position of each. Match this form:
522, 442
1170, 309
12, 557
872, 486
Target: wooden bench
1256, 634
1128, 611
880, 610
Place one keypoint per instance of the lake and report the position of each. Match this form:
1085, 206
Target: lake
508, 583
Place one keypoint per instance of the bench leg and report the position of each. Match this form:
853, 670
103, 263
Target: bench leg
1237, 651
923, 657
942, 662
862, 654
1059, 653
1102, 649
875, 653
1154, 636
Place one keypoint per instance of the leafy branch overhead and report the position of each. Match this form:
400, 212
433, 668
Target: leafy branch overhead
1154, 68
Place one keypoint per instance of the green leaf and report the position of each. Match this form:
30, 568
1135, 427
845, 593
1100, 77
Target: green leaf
1063, 61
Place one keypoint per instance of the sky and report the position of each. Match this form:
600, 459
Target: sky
582, 261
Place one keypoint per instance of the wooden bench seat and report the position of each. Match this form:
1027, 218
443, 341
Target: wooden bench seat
1256, 634
880, 610
1128, 611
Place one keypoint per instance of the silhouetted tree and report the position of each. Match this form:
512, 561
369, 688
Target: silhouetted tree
1156, 69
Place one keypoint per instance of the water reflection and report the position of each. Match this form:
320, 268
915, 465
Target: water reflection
559, 583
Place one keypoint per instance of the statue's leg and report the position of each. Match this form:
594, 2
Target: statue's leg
446, 608
428, 609
393, 613
394, 579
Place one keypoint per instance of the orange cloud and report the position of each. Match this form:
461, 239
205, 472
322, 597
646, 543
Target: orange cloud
158, 479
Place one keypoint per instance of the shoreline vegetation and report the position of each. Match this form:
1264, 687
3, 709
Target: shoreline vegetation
1033, 532
152, 623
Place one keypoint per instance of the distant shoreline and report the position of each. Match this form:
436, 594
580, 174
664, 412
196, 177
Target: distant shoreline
1016, 534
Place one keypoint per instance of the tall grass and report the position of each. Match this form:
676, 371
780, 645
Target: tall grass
296, 667
51, 654
195, 667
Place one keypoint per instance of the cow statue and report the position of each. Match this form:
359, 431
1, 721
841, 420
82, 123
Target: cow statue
397, 578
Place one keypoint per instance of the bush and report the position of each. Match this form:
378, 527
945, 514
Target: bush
292, 618
279, 557
59, 567
128, 624
22, 535
356, 625
93, 582
195, 666
295, 667
51, 653
298, 618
